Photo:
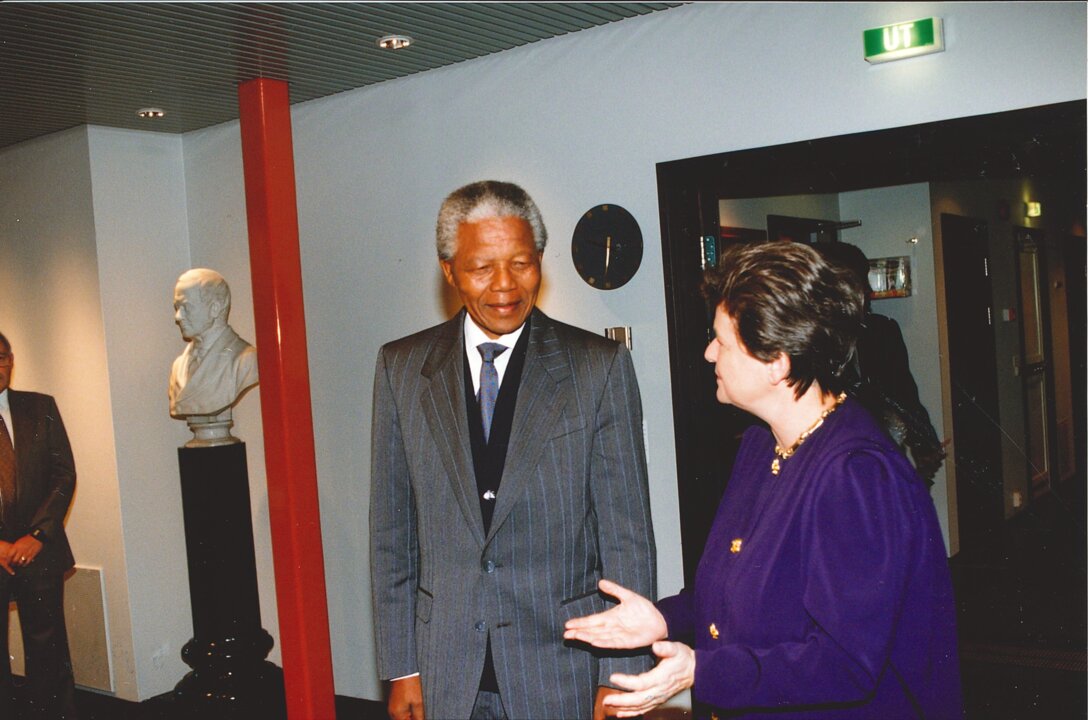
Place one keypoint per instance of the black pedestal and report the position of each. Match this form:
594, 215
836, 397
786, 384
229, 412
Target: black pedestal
230, 678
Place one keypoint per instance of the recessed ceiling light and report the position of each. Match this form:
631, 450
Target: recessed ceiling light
394, 42
151, 113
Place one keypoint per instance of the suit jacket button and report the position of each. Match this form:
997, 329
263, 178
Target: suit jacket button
480, 626
713, 631
489, 567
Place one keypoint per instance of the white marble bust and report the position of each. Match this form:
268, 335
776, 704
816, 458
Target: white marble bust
217, 366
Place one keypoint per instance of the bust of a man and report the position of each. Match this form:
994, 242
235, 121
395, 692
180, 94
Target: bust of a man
217, 366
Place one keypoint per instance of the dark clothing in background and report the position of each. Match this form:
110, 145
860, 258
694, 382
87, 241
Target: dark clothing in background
45, 481
882, 381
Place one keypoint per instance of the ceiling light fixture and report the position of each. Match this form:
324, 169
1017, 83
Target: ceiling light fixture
394, 42
151, 113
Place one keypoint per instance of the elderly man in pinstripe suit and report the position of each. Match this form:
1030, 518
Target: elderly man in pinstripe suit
508, 476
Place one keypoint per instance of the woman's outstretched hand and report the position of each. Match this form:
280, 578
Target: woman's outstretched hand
675, 671
633, 623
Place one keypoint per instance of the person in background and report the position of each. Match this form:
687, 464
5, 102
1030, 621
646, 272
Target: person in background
37, 480
823, 591
508, 476
880, 375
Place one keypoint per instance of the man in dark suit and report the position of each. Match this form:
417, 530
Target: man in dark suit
37, 479
508, 476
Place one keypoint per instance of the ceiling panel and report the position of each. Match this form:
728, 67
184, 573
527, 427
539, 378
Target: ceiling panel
64, 64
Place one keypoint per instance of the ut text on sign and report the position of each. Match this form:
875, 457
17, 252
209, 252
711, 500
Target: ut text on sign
903, 40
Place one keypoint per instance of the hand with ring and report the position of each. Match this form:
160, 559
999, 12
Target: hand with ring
25, 550
675, 671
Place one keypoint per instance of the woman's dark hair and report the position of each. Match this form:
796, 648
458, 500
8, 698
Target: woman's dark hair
785, 297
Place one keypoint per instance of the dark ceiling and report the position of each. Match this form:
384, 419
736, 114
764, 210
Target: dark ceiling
75, 63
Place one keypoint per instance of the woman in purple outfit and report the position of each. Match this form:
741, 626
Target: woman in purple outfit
823, 590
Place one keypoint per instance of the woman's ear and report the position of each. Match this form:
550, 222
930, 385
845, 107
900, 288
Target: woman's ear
778, 370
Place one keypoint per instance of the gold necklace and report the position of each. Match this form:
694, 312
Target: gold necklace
786, 454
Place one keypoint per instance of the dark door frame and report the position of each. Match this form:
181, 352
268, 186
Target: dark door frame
972, 370
1041, 141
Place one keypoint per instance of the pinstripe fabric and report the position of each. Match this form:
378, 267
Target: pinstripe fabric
573, 507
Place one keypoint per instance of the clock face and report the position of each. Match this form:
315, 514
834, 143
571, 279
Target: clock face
607, 247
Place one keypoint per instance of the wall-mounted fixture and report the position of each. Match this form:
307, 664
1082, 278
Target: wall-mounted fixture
903, 40
889, 277
1033, 209
394, 42
621, 334
151, 113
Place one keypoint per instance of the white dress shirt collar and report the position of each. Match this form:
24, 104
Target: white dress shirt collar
475, 336
5, 411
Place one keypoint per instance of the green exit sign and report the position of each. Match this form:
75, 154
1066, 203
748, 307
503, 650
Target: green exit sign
903, 40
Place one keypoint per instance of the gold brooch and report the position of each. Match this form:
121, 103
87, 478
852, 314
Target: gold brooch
713, 631
734, 547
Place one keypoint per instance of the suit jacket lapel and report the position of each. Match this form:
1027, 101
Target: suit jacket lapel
443, 400
21, 435
539, 407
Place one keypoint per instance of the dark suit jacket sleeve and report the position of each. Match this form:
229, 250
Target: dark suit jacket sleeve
394, 550
621, 497
60, 474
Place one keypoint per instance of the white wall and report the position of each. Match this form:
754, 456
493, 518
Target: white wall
138, 189
50, 310
579, 120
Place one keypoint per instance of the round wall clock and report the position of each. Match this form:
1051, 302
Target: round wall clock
607, 247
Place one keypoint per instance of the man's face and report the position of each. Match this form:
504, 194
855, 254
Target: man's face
496, 272
7, 361
192, 314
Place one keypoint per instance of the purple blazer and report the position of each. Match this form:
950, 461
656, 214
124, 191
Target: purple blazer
824, 591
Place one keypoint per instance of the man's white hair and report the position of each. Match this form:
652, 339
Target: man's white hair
480, 201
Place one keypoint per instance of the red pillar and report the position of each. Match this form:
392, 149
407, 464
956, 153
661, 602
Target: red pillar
268, 159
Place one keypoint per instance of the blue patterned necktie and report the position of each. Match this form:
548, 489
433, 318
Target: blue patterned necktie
489, 383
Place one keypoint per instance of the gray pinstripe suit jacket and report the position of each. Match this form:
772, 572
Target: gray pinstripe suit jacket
573, 507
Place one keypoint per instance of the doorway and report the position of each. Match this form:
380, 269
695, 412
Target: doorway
951, 158
1020, 572
973, 373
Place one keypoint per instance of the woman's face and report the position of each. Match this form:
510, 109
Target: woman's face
742, 379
